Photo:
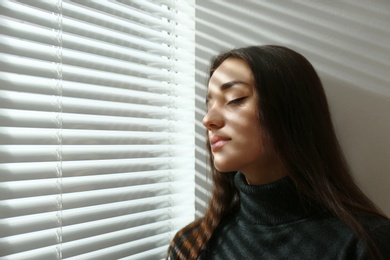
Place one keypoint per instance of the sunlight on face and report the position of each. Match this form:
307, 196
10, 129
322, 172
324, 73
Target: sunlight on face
233, 124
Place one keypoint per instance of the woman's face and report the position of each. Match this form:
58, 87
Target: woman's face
233, 125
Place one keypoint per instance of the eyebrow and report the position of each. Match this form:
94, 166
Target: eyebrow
225, 86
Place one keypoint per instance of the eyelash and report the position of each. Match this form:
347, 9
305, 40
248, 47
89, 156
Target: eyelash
236, 101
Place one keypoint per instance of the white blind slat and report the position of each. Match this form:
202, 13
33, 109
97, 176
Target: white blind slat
28, 101
28, 31
22, 118
48, 86
98, 242
35, 222
28, 241
49, 136
41, 170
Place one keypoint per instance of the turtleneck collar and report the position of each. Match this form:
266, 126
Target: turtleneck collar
272, 204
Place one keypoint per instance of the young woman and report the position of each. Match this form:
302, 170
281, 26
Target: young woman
281, 186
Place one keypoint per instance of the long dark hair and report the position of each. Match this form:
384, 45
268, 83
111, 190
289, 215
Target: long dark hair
295, 118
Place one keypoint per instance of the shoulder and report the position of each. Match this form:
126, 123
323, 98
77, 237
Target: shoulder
180, 237
176, 244
377, 226
379, 229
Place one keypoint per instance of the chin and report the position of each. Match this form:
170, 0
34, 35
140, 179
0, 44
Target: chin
224, 168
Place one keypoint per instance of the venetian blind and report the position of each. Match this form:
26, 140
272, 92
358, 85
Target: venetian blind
96, 127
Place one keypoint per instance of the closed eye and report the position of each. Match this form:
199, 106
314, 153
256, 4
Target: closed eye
236, 101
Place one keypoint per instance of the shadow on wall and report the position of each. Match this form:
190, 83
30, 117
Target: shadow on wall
203, 176
363, 123
348, 43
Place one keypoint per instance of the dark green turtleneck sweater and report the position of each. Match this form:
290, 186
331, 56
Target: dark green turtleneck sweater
274, 222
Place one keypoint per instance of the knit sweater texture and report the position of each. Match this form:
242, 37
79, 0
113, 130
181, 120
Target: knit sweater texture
275, 221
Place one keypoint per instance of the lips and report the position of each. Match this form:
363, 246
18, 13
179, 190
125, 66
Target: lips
217, 142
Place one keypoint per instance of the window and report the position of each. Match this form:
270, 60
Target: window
96, 127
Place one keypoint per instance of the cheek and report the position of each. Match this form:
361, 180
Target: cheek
250, 143
245, 148
246, 128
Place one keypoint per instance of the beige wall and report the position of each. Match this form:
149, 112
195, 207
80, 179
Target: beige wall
348, 42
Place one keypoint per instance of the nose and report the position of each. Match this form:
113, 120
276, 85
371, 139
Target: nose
213, 119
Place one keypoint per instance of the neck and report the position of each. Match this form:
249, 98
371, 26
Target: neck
273, 203
274, 171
